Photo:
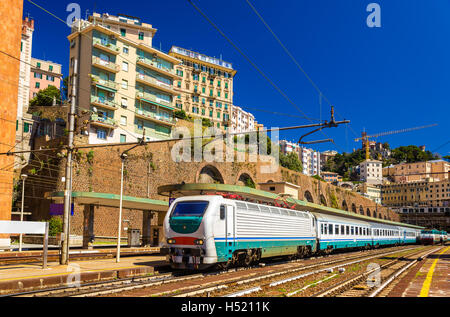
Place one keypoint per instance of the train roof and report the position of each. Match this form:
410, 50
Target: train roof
178, 190
338, 219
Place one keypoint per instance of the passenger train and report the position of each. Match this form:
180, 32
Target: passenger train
207, 230
433, 237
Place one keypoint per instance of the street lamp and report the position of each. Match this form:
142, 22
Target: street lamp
24, 177
123, 157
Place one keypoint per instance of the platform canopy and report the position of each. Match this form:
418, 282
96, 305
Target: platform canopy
256, 195
112, 200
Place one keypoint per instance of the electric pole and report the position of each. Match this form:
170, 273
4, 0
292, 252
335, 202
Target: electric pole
68, 185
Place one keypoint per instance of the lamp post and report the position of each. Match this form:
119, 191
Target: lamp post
123, 158
24, 177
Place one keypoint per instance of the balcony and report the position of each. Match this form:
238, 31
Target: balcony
155, 117
102, 83
106, 65
154, 66
104, 103
108, 123
150, 98
153, 82
106, 46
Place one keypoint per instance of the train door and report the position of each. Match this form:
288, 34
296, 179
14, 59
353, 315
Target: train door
229, 229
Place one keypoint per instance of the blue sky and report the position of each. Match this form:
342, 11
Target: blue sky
381, 79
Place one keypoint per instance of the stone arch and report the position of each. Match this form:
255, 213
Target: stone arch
354, 208
344, 205
380, 216
210, 174
361, 210
385, 217
374, 213
323, 200
308, 197
368, 212
245, 180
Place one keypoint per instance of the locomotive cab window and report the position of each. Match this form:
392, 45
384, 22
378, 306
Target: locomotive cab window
222, 212
189, 209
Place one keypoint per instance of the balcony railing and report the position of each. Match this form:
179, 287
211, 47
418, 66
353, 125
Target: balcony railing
155, 83
155, 117
154, 65
107, 65
112, 48
108, 122
107, 83
151, 97
103, 102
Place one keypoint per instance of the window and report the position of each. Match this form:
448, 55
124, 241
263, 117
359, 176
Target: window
210, 113
342, 230
203, 112
352, 230
38, 65
347, 230
21, 46
203, 79
226, 95
37, 85
125, 66
124, 102
123, 138
203, 90
179, 84
141, 35
50, 67
189, 209
336, 229
124, 84
330, 229
26, 127
38, 75
101, 134
50, 78
125, 50
123, 32
140, 124
123, 120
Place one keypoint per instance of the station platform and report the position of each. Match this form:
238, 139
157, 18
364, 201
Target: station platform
31, 276
429, 278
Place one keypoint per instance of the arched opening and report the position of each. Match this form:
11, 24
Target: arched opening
374, 214
308, 197
246, 180
368, 212
344, 205
361, 210
323, 200
354, 208
210, 175
385, 218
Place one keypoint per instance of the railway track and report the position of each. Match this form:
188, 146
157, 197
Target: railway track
216, 283
363, 285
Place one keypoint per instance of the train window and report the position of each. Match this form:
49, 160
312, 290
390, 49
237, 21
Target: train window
330, 229
342, 230
222, 212
352, 230
347, 230
321, 228
336, 229
325, 228
190, 209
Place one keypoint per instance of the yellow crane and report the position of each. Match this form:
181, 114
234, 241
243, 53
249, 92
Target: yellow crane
365, 138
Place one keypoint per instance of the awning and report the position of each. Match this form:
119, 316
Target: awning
106, 88
112, 200
157, 104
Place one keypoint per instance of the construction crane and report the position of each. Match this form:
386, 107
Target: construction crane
365, 138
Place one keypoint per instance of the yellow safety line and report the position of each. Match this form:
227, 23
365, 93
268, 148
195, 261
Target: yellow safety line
427, 283
88, 271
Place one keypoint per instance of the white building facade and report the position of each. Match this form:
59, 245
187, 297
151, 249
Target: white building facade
241, 121
371, 171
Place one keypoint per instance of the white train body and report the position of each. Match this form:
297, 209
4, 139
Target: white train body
208, 229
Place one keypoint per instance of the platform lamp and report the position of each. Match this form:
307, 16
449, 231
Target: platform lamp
123, 157
23, 177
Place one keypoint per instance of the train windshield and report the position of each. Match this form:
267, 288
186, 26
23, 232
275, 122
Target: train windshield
190, 209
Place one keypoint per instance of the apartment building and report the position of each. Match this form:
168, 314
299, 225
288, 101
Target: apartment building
435, 170
371, 191
125, 84
287, 147
43, 75
241, 121
325, 156
370, 171
420, 194
205, 86
330, 177
310, 161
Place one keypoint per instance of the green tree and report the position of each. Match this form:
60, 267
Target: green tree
181, 114
291, 161
65, 88
55, 226
45, 97
447, 158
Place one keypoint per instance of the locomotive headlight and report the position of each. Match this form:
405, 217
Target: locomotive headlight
198, 242
171, 241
